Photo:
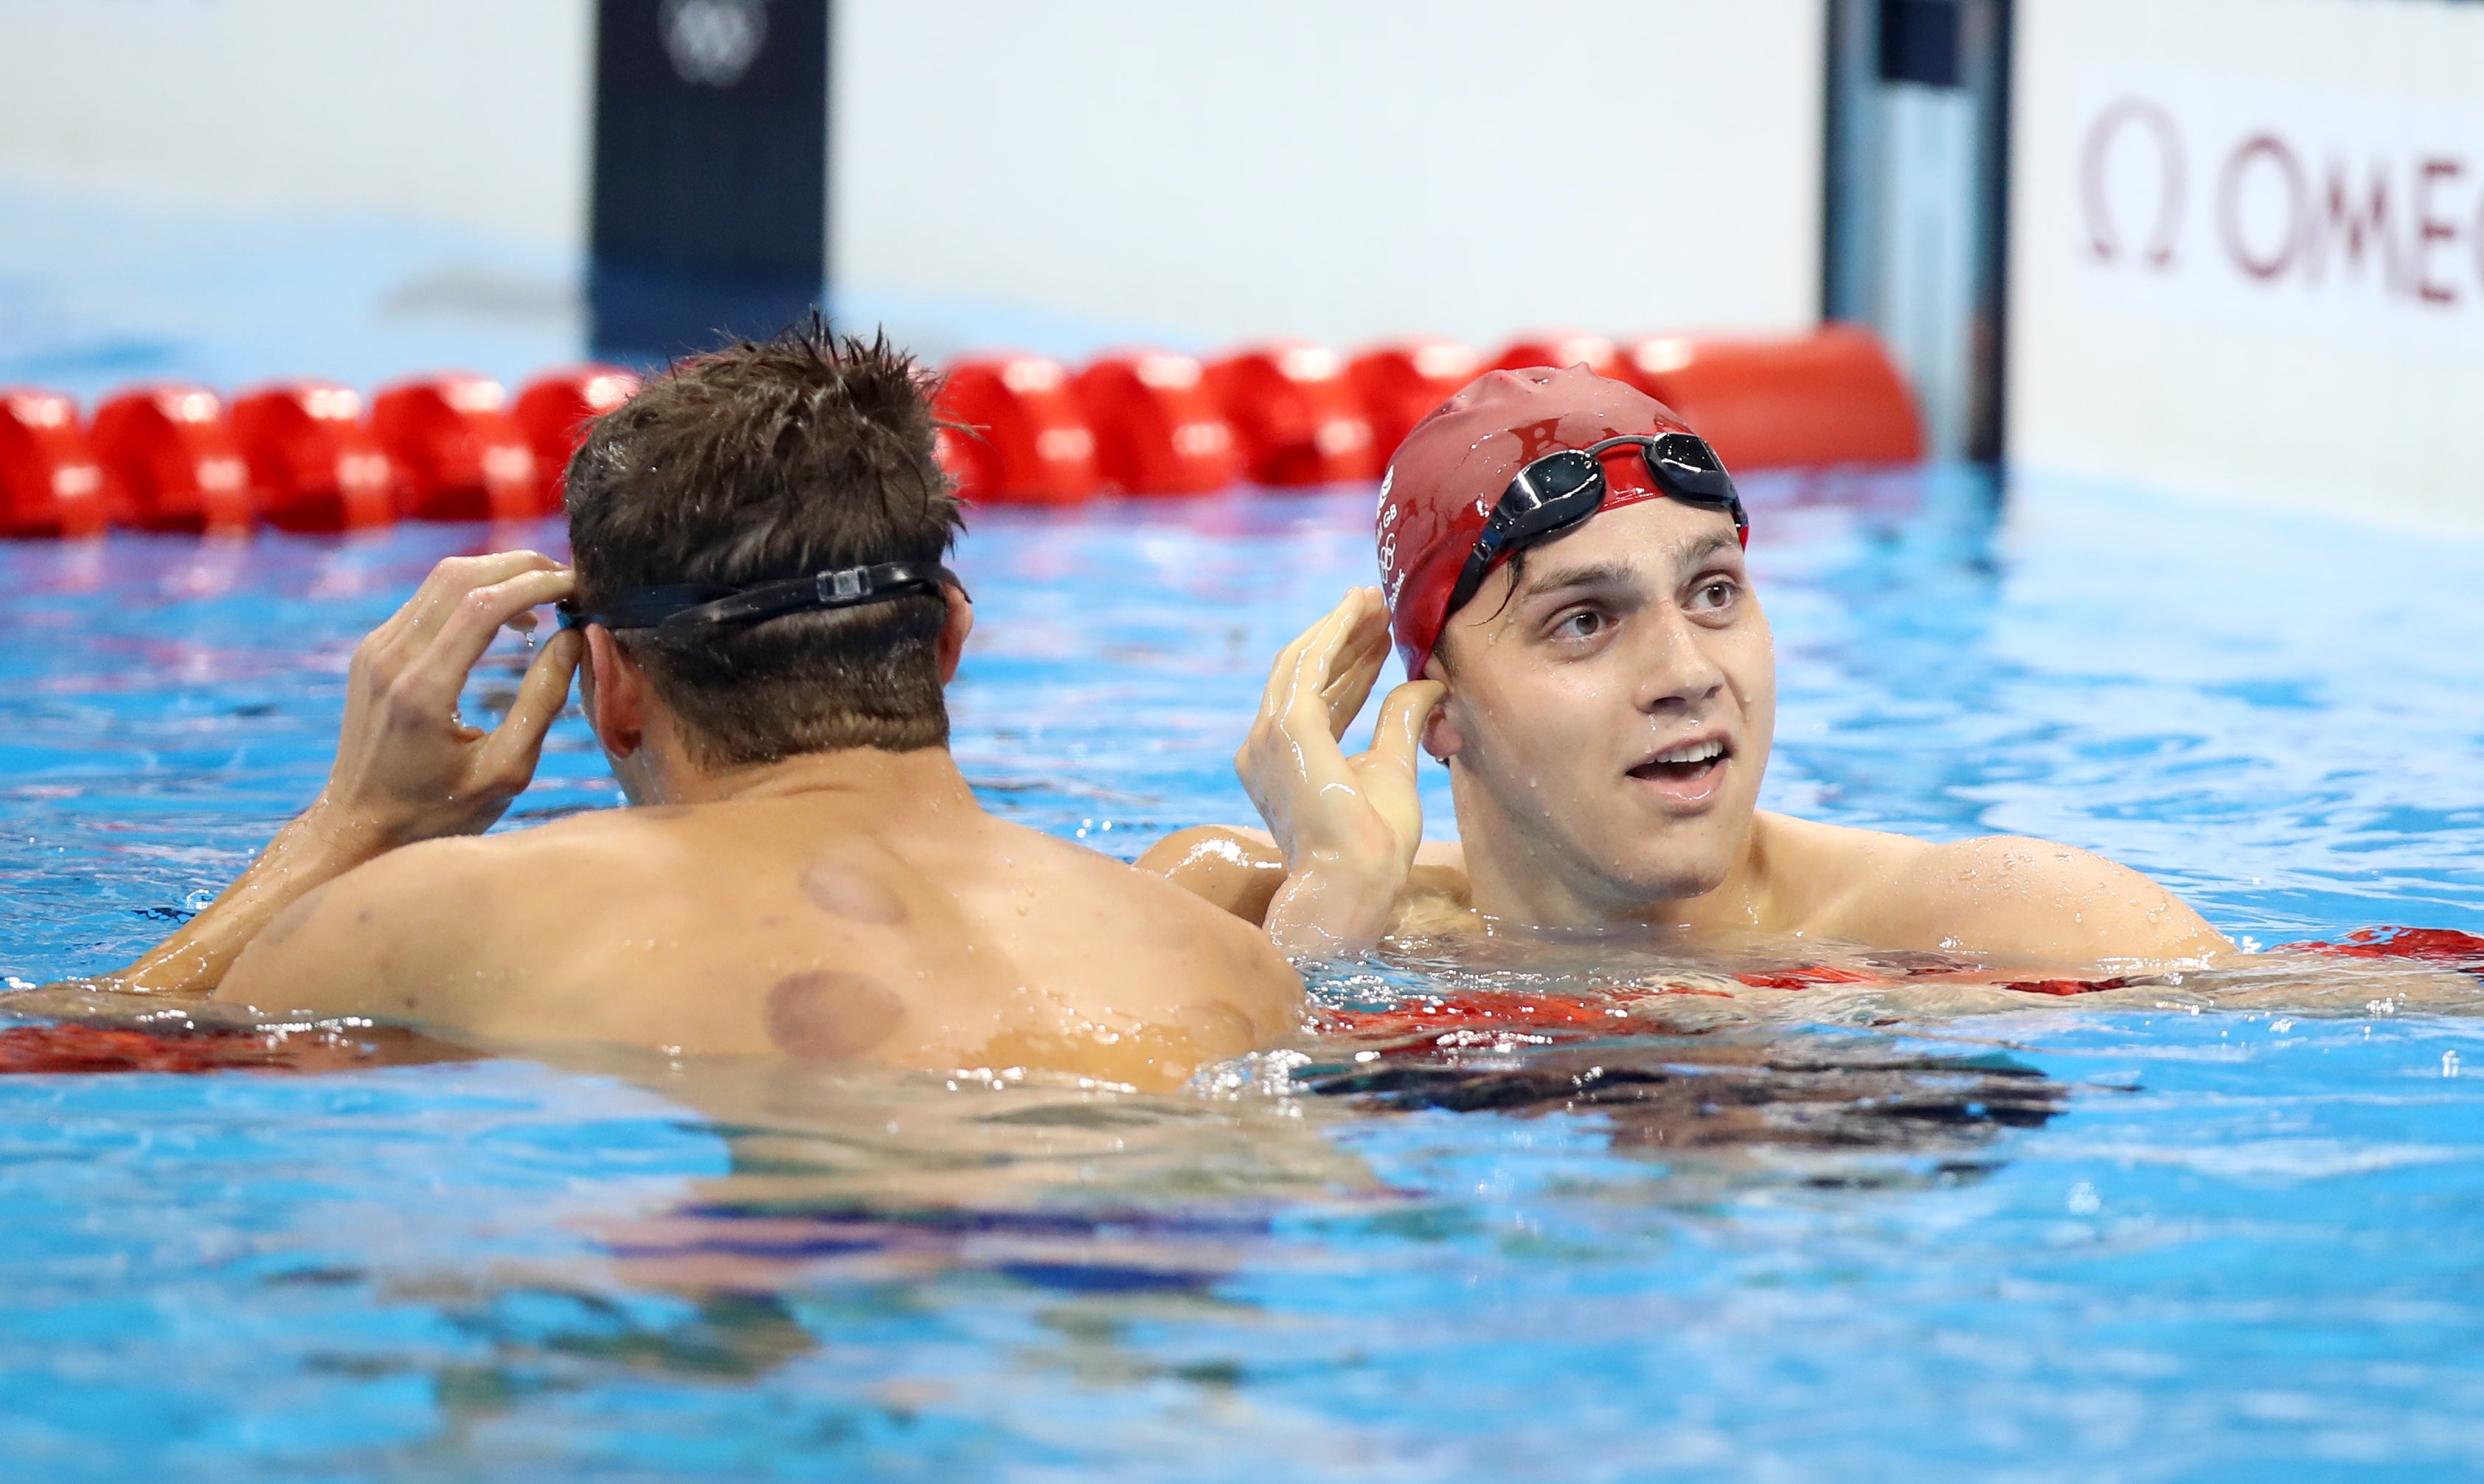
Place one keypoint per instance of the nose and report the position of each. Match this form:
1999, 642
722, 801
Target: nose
1677, 677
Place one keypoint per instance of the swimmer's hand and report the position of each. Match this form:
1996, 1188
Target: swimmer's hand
407, 766
1347, 827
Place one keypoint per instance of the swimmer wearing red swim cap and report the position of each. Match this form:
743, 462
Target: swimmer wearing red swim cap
1563, 571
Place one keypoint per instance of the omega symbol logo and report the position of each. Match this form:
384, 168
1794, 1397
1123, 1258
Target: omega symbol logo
712, 43
2152, 124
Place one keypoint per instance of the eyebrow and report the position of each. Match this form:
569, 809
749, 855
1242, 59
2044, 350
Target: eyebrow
1689, 555
1591, 575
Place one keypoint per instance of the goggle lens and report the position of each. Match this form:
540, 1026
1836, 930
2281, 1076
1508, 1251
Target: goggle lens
1567, 486
1551, 493
1687, 467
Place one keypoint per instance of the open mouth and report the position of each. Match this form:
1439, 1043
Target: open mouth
1688, 765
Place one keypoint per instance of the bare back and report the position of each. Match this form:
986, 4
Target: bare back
816, 925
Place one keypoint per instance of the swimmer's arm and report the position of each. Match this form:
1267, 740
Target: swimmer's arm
1236, 871
316, 957
407, 768
373, 941
1324, 904
2038, 900
306, 855
1239, 871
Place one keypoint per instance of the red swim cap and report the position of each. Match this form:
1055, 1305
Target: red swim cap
1445, 477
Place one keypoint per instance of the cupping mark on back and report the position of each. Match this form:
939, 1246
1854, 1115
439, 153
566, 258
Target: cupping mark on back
831, 1013
844, 890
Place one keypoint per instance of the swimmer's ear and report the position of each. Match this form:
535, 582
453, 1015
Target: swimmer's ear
953, 632
614, 690
1441, 737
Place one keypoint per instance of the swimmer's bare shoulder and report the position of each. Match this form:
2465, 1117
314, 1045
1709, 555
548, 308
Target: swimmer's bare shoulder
2001, 894
458, 931
2005, 894
1160, 912
1238, 871
379, 938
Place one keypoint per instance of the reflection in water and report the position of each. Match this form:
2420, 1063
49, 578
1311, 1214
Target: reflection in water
860, 1202
1711, 1098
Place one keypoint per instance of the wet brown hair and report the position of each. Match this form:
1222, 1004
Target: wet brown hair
769, 459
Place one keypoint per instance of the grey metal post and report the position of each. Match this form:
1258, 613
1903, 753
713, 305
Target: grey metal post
1916, 202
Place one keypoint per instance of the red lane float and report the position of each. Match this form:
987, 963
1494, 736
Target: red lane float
2444, 946
1022, 437
317, 467
459, 455
1298, 418
72, 1047
1281, 413
1158, 429
56, 1050
1561, 349
1798, 401
554, 412
50, 484
1466, 1009
1402, 381
173, 462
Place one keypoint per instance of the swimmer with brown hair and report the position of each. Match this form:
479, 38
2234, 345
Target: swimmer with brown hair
1565, 579
762, 631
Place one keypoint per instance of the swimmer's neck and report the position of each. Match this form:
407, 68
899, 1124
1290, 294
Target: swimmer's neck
1521, 884
924, 780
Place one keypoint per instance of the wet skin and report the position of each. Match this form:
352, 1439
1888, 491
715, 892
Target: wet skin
862, 907
831, 906
1605, 714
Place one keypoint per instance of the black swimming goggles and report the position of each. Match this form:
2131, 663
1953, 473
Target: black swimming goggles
1562, 489
686, 605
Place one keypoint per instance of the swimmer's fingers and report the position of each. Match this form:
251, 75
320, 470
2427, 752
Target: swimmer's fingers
1302, 668
430, 685
1330, 669
1354, 666
506, 763
1400, 731
408, 630
1290, 750
1384, 773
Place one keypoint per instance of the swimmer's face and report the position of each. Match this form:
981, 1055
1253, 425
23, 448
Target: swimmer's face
1608, 720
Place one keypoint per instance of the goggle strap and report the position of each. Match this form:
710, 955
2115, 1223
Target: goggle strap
686, 605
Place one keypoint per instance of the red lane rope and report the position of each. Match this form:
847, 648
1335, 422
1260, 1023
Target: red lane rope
75, 1047
36, 1049
312, 455
2444, 946
92, 1048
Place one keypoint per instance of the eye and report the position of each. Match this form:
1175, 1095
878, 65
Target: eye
1714, 595
1580, 624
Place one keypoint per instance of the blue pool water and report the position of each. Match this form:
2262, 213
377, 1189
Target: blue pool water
2238, 1242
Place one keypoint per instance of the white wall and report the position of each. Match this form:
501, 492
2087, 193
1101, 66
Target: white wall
2221, 330
1338, 169
1334, 167
470, 111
